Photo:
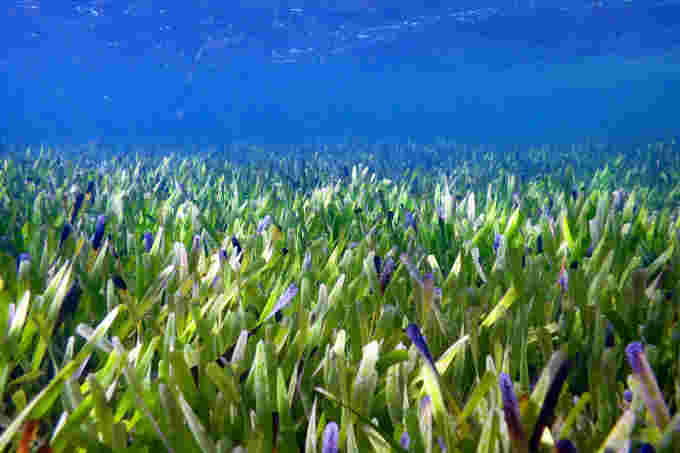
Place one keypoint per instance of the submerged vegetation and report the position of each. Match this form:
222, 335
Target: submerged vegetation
440, 298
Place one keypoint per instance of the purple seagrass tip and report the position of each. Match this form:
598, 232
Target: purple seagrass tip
148, 241
497, 242
283, 301
414, 335
405, 440
409, 221
633, 352
563, 281
23, 257
65, 233
386, 273
565, 446
76, 206
609, 340
264, 224
330, 438
236, 244
377, 264
425, 402
507, 391
647, 448
628, 396
99, 232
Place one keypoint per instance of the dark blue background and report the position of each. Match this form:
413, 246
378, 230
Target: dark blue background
494, 82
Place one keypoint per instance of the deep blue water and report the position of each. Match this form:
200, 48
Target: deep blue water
174, 72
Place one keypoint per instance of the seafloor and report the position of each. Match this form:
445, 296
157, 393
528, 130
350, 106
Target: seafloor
350, 297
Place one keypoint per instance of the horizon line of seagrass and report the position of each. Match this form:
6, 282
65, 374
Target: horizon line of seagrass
354, 297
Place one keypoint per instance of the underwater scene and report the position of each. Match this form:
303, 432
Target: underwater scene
321, 226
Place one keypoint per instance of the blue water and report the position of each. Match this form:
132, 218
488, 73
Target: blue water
299, 71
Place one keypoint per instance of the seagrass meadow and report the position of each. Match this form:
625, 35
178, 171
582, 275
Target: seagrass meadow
352, 297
